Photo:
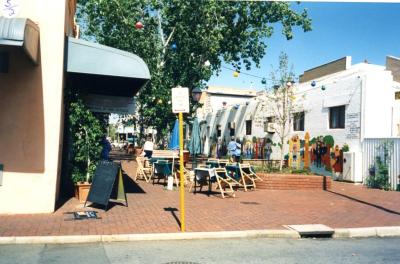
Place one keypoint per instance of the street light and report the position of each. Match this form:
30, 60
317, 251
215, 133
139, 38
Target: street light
196, 95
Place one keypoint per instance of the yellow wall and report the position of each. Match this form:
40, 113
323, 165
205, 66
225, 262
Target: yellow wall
31, 115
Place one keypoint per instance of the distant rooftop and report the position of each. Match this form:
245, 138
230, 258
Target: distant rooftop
326, 69
342, 64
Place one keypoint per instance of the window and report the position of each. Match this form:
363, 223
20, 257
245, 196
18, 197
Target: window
298, 121
248, 127
336, 116
219, 131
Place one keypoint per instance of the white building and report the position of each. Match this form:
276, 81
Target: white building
348, 102
217, 97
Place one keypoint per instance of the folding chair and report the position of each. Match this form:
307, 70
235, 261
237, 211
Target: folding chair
224, 180
246, 168
161, 170
141, 171
248, 178
222, 162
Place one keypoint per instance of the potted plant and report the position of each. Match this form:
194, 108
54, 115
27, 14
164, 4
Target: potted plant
87, 133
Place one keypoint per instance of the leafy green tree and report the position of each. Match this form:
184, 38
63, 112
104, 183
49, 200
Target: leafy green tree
185, 42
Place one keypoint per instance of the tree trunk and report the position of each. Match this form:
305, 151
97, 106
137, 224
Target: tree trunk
281, 163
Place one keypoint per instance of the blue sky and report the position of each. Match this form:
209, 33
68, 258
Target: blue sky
361, 30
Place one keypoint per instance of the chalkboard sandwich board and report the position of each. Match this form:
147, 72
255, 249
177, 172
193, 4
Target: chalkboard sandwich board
103, 183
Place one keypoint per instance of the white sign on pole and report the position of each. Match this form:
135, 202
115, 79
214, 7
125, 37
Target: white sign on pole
180, 100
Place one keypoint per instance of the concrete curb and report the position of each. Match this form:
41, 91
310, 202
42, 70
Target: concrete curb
384, 231
148, 237
387, 231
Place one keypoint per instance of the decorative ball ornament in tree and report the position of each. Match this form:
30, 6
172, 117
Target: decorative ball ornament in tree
173, 46
207, 63
235, 74
313, 83
263, 81
139, 25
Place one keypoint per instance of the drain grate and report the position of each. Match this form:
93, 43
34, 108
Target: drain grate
315, 230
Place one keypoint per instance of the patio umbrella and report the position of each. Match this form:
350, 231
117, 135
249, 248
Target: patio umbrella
174, 140
195, 144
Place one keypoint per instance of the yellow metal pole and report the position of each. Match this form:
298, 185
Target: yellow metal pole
182, 184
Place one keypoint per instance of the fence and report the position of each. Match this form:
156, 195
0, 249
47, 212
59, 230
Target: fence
373, 147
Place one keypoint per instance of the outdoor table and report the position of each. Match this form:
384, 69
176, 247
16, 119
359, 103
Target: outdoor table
203, 175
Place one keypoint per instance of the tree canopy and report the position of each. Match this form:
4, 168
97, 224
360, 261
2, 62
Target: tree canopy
185, 42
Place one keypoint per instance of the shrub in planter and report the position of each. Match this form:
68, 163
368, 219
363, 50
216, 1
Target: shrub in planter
378, 175
87, 133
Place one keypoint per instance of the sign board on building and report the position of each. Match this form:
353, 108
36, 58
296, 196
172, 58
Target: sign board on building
110, 104
180, 100
352, 125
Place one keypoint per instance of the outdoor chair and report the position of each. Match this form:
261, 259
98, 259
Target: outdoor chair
248, 178
141, 171
222, 162
223, 180
161, 170
246, 168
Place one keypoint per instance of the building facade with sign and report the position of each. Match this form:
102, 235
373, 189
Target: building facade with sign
347, 102
40, 56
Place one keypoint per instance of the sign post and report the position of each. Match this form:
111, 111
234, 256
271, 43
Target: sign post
180, 104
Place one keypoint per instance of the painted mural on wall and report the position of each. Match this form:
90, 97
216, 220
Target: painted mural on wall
320, 155
257, 148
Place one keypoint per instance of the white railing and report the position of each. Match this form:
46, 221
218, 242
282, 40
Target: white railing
372, 147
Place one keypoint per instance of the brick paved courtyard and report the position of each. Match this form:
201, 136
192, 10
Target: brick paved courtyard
155, 210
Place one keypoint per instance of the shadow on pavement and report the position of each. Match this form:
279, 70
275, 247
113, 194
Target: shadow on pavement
173, 210
130, 185
366, 203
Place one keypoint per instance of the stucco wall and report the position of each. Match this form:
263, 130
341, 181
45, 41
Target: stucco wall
366, 91
30, 121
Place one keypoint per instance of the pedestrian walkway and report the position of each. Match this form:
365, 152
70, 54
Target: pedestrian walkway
152, 209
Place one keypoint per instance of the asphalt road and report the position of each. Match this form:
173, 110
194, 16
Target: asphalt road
371, 250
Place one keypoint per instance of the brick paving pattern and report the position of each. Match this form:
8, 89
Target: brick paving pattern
155, 210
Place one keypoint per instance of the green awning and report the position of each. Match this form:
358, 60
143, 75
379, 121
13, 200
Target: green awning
104, 70
20, 32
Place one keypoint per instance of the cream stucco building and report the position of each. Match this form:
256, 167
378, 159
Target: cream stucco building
39, 57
